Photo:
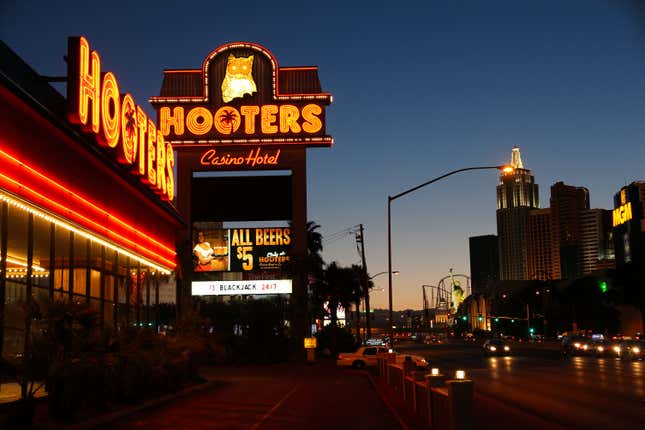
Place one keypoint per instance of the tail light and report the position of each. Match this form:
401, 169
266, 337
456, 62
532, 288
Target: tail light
340, 356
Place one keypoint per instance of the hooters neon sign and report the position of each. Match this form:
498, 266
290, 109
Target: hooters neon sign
241, 96
97, 105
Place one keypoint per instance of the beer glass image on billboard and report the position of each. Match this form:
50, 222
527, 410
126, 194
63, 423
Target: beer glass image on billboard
210, 250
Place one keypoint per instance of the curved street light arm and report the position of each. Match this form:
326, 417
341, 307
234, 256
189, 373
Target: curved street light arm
504, 168
408, 191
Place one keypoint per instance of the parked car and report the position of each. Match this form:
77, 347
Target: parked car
368, 355
496, 347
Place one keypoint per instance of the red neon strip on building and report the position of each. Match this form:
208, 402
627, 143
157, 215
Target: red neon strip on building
15, 186
128, 236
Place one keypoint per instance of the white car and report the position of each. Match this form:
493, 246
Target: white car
367, 356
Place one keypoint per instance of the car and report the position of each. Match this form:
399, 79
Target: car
375, 341
469, 337
575, 345
368, 356
496, 347
630, 350
431, 339
600, 348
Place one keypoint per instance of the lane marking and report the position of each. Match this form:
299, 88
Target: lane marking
273, 409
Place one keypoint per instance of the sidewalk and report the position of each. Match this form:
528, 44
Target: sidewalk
257, 397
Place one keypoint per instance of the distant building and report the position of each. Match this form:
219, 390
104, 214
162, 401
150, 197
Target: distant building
539, 245
484, 262
517, 195
629, 225
596, 246
567, 204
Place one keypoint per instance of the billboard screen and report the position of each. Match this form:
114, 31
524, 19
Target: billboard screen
241, 249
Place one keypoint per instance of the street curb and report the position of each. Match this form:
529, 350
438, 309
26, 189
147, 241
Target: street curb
128, 410
387, 403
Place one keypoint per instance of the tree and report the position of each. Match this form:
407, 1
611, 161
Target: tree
338, 286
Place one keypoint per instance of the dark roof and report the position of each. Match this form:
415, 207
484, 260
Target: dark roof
181, 84
189, 83
29, 85
299, 81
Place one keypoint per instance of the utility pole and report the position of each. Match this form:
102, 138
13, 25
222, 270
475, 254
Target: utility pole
368, 325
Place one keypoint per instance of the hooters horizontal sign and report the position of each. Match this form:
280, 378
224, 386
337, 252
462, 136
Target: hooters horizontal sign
235, 288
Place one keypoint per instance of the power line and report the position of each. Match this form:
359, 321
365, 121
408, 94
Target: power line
339, 235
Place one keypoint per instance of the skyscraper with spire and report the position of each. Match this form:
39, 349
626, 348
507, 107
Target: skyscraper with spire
517, 195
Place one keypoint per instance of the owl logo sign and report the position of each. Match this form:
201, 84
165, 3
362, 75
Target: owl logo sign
241, 96
238, 80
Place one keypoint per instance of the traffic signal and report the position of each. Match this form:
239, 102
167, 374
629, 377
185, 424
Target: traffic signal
496, 319
464, 318
531, 330
480, 318
602, 286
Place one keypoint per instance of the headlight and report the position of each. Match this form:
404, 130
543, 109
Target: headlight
492, 348
601, 349
506, 348
636, 350
617, 349
585, 346
577, 344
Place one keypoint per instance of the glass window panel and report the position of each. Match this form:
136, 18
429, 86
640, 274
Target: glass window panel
95, 282
61, 263
17, 245
80, 265
109, 277
40, 268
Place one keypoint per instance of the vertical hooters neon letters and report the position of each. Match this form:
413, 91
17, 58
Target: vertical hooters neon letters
96, 104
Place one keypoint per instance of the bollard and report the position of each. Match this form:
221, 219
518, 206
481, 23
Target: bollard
437, 380
461, 403
432, 381
408, 365
391, 360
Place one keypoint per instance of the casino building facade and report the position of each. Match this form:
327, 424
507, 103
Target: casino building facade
85, 196
628, 222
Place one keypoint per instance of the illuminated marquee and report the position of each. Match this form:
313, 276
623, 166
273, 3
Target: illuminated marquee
248, 121
622, 214
243, 249
97, 105
234, 288
241, 102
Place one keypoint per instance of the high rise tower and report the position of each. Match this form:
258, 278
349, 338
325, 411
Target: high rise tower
567, 205
517, 194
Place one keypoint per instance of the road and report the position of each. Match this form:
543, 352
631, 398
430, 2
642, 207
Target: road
576, 392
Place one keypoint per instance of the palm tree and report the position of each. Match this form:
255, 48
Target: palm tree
338, 286
314, 248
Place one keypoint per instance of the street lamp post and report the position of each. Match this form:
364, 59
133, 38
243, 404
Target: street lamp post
368, 324
504, 168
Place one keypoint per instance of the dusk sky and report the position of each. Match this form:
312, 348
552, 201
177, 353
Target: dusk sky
420, 88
